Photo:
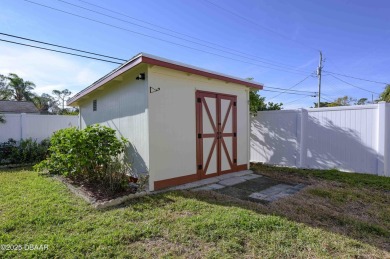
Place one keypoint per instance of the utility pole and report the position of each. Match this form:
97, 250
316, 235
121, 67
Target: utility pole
319, 72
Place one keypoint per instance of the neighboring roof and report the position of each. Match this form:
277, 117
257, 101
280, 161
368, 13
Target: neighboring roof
17, 107
158, 61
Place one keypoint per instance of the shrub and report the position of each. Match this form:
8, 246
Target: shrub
23, 152
92, 155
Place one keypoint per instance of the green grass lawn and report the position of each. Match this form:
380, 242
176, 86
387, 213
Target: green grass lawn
39, 210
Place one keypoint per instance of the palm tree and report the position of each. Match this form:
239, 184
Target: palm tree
5, 92
45, 103
21, 89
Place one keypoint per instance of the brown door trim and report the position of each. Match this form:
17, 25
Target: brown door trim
218, 127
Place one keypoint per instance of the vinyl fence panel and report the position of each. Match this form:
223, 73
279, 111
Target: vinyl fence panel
352, 138
274, 137
35, 126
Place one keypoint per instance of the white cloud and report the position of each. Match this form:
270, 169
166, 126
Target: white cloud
50, 71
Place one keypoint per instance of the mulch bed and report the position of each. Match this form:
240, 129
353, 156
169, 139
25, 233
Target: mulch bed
99, 192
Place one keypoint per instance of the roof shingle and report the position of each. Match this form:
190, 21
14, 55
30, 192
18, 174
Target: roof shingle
17, 107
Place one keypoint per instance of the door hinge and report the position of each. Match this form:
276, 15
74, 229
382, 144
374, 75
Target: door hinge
235, 104
198, 100
199, 167
199, 135
235, 134
235, 161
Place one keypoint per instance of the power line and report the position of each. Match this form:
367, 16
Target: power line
63, 52
259, 25
274, 91
159, 39
354, 85
296, 100
287, 91
362, 79
290, 88
258, 59
60, 46
304, 91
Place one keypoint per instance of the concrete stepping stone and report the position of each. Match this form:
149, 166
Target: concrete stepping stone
233, 175
251, 176
272, 193
232, 181
210, 187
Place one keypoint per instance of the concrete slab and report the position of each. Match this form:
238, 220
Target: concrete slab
251, 176
257, 184
232, 181
211, 180
258, 196
242, 173
195, 184
245, 185
234, 192
231, 175
276, 189
273, 193
210, 187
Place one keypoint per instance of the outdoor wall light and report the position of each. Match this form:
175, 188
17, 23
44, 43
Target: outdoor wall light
141, 76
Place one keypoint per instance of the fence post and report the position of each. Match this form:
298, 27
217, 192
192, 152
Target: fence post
301, 134
23, 126
382, 168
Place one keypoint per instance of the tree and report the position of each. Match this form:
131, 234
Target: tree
385, 95
322, 104
21, 90
61, 96
5, 91
362, 101
69, 111
257, 103
45, 103
342, 101
273, 106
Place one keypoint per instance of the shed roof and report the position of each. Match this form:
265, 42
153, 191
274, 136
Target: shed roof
17, 107
159, 61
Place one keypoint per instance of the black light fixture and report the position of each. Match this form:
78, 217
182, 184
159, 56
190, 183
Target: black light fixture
141, 76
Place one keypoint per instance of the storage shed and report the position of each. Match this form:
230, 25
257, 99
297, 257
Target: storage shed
184, 123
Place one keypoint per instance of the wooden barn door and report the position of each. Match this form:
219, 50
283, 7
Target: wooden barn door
216, 129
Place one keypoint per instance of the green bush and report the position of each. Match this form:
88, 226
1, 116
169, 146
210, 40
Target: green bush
24, 152
91, 155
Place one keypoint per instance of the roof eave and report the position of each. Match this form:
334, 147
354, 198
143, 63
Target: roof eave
128, 65
195, 71
143, 58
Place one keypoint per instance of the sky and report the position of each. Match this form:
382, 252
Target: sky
275, 42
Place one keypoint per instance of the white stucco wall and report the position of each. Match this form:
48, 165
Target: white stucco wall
172, 124
123, 106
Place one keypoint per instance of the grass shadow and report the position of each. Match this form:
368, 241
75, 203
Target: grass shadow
360, 214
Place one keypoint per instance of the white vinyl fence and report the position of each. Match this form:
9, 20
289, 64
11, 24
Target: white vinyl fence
351, 138
35, 126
